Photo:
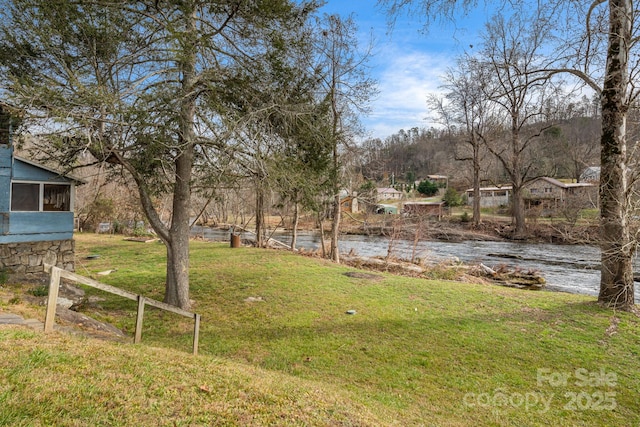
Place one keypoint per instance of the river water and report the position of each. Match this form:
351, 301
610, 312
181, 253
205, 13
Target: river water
566, 268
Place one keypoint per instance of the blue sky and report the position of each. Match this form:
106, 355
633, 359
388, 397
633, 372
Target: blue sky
407, 63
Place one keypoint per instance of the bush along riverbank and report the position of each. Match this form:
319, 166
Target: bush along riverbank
453, 229
503, 274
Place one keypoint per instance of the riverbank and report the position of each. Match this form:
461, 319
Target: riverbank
278, 347
448, 228
443, 245
455, 230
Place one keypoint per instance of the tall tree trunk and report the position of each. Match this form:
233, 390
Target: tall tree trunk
335, 134
517, 177
296, 220
517, 205
616, 278
260, 233
335, 230
323, 243
476, 181
334, 251
177, 284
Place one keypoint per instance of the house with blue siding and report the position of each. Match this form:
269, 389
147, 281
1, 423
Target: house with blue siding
36, 214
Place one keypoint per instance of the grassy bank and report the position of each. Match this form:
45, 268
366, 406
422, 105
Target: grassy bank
416, 352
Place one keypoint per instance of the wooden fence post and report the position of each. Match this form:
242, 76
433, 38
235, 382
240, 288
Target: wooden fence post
138, 336
196, 333
52, 301
54, 286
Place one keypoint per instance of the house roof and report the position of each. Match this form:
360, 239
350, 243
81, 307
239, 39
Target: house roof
50, 170
424, 203
561, 184
580, 184
496, 188
591, 172
551, 181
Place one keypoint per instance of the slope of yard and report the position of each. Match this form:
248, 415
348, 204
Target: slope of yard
277, 348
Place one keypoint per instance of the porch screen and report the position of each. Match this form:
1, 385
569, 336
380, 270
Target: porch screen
25, 197
56, 197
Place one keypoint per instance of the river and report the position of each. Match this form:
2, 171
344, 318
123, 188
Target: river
566, 268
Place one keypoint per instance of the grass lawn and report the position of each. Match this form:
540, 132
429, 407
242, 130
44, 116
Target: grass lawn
417, 352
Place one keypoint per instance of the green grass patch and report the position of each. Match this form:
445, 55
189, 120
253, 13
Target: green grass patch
417, 352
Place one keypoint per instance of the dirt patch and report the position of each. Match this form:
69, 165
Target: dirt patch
362, 275
612, 329
142, 239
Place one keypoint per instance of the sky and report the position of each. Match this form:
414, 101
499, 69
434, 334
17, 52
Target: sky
407, 62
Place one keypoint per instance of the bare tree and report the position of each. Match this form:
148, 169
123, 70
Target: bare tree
607, 52
347, 89
512, 49
603, 50
466, 111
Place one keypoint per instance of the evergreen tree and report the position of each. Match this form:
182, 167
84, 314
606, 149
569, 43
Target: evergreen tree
146, 87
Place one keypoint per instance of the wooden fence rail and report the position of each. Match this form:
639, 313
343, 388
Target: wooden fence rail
54, 284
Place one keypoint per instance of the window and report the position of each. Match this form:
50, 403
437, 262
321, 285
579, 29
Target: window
40, 197
56, 197
25, 197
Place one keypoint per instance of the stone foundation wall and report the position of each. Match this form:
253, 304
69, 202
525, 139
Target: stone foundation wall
29, 257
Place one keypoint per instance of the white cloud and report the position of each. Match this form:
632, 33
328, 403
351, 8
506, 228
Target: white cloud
405, 80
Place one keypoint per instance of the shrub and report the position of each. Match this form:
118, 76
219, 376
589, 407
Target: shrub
40, 291
452, 198
427, 188
100, 210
